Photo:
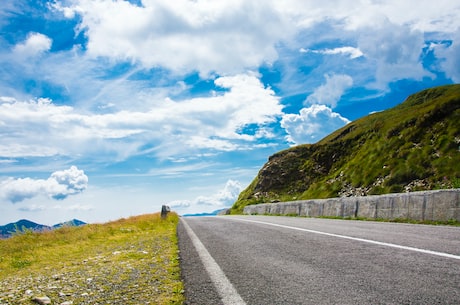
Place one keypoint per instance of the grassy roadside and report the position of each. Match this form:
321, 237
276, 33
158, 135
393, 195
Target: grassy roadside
128, 261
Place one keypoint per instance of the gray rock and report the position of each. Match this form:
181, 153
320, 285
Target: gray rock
42, 300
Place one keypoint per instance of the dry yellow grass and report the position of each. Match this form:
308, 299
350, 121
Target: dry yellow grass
128, 261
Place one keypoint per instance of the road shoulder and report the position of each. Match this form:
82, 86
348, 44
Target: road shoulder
199, 288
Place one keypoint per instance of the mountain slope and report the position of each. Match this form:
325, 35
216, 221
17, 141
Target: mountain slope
70, 223
24, 225
213, 213
413, 146
21, 225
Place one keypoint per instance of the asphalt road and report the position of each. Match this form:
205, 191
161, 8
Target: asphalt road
284, 260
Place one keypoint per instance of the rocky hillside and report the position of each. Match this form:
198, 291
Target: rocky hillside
413, 146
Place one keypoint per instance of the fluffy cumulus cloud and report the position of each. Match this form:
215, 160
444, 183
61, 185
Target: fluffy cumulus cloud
207, 36
58, 186
223, 198
311, 124
35, 44
318, 120
330, 92
215, 122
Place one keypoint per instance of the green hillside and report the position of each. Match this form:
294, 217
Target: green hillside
413, 146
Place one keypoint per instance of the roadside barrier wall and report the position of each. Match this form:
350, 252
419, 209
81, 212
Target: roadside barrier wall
438, 205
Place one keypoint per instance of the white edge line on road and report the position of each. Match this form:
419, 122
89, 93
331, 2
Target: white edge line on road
354, 238
225, 289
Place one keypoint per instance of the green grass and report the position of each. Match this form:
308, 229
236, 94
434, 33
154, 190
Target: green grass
129, 259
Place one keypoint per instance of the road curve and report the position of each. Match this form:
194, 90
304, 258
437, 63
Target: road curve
285, 260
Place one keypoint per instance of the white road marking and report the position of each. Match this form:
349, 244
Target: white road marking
354, 238
225, 289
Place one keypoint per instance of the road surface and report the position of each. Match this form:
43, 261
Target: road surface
285, 260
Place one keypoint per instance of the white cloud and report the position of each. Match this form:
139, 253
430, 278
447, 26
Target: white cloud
387, 51
432, 16
8, 161
331, 92
205, 36
74, 207
449, 56
169, 127
179, 204
349, 51
223, 198
439, 16
387, 36
393, 52
311, 124
58, 186
32, 208
74, 180
229, 37
207, 143
179, 171
35, 44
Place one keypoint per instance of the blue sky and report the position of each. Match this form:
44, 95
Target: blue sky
110, 109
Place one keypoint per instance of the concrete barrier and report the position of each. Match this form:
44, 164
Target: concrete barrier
438, 205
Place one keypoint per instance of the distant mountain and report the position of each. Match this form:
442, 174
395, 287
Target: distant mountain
214, 213
412, 147
21, 225
24, 224
70, 223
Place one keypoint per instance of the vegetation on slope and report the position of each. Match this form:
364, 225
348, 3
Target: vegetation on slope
413, 146
129, 261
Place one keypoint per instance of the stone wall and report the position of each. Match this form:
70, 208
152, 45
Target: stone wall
439, 205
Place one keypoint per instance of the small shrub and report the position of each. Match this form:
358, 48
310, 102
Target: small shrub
456, 182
